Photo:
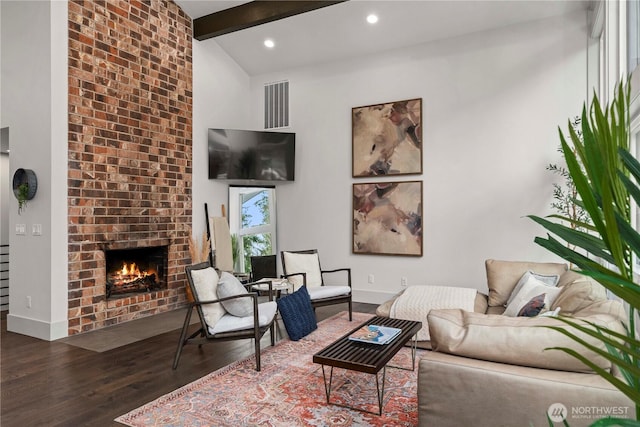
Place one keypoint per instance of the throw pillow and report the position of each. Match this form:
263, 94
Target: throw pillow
530, 289
297, 314
547, 279
533, 307
230, 286
579, 294
502, 277
205, 282
303, 263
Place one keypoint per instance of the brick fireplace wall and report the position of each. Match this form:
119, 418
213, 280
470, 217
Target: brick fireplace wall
129, 170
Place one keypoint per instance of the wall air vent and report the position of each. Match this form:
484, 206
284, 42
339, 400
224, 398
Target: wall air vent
276, 105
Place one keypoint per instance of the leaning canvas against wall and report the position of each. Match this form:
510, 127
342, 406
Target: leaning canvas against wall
387, 138
387, 218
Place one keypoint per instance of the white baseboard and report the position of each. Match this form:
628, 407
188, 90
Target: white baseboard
48, 331
371, 297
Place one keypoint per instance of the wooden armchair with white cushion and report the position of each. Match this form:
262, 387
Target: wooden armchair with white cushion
227, 311
303, 268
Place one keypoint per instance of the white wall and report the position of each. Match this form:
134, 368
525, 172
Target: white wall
58, 225
33, 107
5, 191
492, 102
220, 100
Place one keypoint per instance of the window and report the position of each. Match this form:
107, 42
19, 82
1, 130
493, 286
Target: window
633, 35
634, 134
252, 220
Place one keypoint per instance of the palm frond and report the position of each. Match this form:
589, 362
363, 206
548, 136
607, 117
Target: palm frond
578, 223
612, 422
586, 241
623, 362
601, 167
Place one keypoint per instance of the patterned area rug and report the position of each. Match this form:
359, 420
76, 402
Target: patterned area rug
289, 391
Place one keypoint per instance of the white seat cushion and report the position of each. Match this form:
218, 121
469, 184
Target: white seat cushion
206, 283
229, 323
303, 263
328, 291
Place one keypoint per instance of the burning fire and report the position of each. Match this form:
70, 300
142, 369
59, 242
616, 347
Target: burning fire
130, 272
126, 276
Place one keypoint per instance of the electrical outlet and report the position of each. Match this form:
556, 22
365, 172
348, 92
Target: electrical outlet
403, 282
371, 279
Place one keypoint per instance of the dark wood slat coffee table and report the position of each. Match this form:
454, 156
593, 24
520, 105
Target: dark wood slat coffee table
369, 358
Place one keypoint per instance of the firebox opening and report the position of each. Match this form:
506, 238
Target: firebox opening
135, 270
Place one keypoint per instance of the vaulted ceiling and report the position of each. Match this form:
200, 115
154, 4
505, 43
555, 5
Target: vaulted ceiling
340, 31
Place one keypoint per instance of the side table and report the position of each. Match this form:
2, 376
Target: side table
277, 286
273, 287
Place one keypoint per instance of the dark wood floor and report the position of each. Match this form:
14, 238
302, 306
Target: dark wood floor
55, 384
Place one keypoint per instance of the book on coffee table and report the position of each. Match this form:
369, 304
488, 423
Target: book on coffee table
375, 334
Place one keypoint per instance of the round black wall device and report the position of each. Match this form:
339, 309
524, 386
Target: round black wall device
25, 176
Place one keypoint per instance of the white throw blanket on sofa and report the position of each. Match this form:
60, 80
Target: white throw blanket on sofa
416, 302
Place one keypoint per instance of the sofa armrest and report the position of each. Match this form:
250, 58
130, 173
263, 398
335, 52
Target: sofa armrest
515, 340
495, 394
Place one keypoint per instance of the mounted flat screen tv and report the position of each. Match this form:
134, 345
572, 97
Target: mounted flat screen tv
236, 154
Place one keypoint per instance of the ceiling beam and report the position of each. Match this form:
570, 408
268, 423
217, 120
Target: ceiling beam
251, 14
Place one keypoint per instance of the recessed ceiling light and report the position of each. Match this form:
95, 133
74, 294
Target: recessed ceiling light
372, 19
269, 43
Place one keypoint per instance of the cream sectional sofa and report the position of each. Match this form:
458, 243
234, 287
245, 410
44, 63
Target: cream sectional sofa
488, 369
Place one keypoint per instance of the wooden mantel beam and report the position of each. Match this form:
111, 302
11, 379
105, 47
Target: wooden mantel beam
251, 14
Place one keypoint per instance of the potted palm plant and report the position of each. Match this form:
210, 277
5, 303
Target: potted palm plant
606, 177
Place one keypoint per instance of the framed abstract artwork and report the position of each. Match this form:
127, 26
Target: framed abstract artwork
387, 139
387, 218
